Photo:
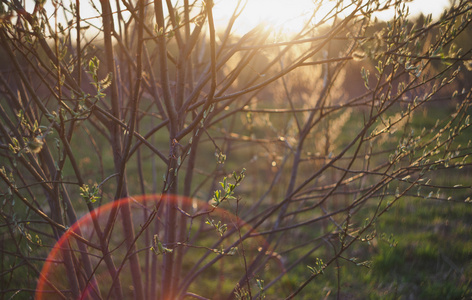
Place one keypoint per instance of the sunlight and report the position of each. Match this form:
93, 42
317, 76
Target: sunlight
289, 17
283, 16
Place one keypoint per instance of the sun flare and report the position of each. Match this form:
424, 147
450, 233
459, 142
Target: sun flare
290, 16
283, 16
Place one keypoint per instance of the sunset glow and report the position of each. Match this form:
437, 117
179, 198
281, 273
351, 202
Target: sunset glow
280, 15
289, 17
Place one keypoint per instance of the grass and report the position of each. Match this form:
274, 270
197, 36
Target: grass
432, 253
431, 260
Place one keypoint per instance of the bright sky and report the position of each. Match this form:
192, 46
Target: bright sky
289, 14
292, 13
434, 7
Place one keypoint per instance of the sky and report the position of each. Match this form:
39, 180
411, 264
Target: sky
277, 13
290, 13
434, 7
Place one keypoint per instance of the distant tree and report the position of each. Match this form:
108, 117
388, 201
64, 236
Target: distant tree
294, 147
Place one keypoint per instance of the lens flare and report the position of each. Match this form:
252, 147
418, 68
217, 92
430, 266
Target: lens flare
100, 268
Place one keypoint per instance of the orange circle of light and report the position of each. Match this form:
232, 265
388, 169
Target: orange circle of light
54, 280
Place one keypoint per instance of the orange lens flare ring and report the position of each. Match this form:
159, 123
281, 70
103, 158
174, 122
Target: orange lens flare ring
66, 264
